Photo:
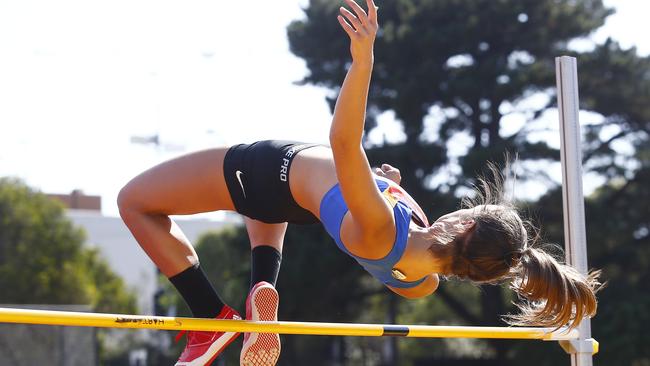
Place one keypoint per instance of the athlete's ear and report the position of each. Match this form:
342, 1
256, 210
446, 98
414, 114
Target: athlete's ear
469, 222
468, 225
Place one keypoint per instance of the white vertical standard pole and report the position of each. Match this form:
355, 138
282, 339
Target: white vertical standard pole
572, 197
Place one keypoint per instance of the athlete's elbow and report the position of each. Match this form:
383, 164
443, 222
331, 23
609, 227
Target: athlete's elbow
426, 288
416, 292
337, 142
413, 296
424, 292
342, 141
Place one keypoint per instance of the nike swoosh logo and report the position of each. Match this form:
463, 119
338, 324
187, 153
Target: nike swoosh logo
238, 174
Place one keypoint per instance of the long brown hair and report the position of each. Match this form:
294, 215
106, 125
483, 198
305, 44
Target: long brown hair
499, 247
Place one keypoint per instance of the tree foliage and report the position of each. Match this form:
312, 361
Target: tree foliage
43, 259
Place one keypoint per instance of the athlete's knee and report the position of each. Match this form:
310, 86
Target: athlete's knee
261, 233
127, 200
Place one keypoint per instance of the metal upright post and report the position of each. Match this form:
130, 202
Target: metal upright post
566, 70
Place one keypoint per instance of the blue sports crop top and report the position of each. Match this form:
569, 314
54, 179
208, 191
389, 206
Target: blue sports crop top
332, 210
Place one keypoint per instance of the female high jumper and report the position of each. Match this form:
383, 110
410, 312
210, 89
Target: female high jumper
369, 216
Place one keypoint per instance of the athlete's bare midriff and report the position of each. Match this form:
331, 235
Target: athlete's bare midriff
312, 174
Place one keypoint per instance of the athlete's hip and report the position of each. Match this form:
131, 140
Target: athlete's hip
257, 176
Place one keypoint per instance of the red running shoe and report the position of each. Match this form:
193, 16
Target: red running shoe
261, 349
203, 347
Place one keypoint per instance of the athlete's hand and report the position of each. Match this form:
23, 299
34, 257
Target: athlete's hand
389, 172
361, 27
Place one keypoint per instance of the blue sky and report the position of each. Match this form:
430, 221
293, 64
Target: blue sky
80, 78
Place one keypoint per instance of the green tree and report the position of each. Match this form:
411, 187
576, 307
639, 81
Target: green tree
450, 69
43, 259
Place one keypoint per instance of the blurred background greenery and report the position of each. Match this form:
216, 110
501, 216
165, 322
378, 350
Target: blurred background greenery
451, 71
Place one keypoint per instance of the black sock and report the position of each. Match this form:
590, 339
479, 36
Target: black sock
265, 264
198, 293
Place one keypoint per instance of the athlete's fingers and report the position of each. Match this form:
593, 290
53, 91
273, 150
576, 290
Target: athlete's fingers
391, 173
346, 27
372, 11
351, 19
358, 10
394, 176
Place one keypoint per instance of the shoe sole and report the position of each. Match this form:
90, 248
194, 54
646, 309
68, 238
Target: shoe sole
262, 349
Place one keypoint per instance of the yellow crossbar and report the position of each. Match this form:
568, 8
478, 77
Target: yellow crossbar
8, 315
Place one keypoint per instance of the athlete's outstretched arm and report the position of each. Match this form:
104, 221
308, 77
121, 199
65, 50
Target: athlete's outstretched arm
368, 209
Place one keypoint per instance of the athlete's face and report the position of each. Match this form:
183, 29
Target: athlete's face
443, 231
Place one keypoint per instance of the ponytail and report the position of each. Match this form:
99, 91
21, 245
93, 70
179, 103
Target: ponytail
500, 246
555, 294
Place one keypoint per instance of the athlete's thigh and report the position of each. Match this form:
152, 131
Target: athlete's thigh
261, 233
188, 184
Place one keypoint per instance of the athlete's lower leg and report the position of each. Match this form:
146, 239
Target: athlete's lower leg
185, 185
265, 264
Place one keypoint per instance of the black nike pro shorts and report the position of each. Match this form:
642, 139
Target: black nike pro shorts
257, 176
